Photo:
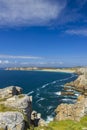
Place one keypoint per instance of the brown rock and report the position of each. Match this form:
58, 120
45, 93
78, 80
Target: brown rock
72, 111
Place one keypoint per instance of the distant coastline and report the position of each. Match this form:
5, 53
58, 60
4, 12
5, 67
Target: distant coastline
59, 70
65, 70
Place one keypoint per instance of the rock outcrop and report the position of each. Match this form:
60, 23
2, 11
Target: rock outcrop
10, 91
72, 111
16, 110
80, 84
79, 109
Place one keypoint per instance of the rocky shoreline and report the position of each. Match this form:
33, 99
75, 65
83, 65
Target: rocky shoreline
79, 109
16, 111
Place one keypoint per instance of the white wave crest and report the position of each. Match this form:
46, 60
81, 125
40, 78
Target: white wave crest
77, 94
30, 92
58, 93
53, 82
68, 100
56, 81
45, 85
41, 99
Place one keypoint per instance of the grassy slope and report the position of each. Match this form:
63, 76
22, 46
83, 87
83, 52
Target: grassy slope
66, 125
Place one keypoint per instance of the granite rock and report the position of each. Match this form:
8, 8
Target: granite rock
12, 121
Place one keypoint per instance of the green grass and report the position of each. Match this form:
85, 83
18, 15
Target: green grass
2, 99
3, 108
65, 125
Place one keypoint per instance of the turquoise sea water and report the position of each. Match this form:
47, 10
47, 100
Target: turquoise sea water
45, 87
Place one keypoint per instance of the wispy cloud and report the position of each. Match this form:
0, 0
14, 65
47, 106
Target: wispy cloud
29, 12
40, 12
4, 62
19, 57
78, 32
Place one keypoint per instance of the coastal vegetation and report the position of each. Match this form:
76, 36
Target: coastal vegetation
66, 125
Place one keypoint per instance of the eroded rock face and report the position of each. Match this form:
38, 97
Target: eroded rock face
72, 111
12, 121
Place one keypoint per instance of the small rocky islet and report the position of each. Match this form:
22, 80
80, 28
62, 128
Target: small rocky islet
16, 112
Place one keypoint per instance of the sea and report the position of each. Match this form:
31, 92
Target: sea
44, 87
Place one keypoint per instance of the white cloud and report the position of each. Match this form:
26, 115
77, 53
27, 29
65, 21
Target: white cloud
82, 32
18, 57
29, 12
50, 63
4, 62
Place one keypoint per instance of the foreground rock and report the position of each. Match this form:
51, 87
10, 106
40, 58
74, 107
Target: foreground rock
16, 110
72, 111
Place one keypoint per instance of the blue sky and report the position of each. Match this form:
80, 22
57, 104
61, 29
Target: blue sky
50, 33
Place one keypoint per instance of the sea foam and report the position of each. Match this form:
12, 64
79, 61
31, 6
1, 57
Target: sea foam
58, 93
49, 118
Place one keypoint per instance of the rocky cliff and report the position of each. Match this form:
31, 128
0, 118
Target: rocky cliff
16, 110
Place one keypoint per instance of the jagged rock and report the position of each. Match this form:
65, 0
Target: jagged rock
10, 91
12, 121
72, 111
35, 117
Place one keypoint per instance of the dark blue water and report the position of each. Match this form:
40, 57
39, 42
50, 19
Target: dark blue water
45, 88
